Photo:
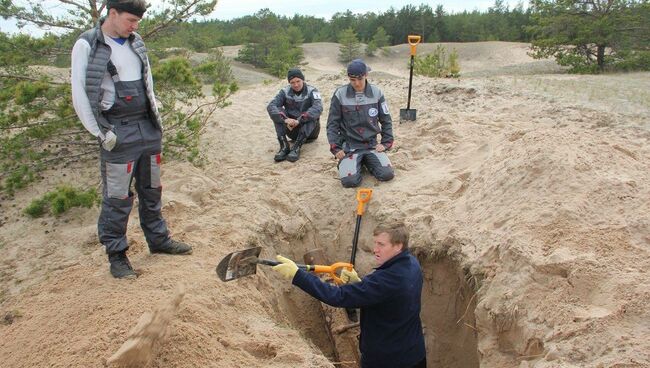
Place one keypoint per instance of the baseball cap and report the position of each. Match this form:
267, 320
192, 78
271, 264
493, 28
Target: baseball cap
357, 68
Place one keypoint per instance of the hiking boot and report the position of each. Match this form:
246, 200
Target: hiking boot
172, 247
284, 150
294, 154
120, 266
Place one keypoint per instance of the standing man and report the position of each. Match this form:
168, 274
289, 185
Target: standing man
389, 298
295, 112
358, 112
112, 93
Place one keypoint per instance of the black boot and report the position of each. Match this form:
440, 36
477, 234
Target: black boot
294, 154
120, 266
284, 149
172, 247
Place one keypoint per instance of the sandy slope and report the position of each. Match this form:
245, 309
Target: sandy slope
532, 186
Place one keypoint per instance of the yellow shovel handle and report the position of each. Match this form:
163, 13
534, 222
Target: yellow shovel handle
413, 41
332, 270
363, 196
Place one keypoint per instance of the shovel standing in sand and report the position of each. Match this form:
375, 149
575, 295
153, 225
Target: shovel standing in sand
363, 196
244, 263
408, 113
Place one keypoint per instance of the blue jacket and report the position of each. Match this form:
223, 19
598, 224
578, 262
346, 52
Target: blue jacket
389, 298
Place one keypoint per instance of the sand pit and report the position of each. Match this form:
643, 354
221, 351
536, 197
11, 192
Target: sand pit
138, 349
525, 190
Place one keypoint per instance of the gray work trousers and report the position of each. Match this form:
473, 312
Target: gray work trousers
376, 162
137, 155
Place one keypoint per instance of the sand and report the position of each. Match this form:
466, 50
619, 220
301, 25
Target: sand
525, 189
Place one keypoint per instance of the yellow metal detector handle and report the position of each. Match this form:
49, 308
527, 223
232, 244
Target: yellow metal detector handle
363, 196
332, 270
413, 41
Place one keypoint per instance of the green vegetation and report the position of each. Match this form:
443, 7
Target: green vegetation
39, 129
593, 36
269, 45
214, 69
185, 109
434, 25
588, 37
350, 48
61, 200
379, 41
438, 64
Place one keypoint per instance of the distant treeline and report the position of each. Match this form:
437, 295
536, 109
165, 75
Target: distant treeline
499, 22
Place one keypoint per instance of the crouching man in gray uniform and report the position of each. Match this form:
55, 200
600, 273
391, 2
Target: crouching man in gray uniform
295, 112
358, 112
112, 93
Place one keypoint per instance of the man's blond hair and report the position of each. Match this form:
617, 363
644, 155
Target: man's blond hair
397, 233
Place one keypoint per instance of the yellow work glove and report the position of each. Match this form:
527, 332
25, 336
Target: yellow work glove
287, 268
349, 277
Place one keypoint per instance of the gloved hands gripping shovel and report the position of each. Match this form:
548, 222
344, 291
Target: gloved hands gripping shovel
244, 263
289, 268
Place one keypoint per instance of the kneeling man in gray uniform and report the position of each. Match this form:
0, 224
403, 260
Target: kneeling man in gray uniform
358, 113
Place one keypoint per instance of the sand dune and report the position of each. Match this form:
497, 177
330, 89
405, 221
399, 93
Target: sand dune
525, 189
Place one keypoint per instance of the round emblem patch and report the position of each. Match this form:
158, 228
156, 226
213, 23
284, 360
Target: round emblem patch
373, 112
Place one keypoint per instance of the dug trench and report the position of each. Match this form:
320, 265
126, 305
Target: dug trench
449, 295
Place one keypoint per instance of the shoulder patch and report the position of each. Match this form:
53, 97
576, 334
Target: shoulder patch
316, 95
384, 108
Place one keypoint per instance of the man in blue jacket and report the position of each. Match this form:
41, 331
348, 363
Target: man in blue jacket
389, 298
295, 112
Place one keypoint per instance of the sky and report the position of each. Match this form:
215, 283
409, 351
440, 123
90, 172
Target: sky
229, 9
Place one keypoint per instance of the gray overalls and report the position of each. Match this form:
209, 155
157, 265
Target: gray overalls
306, 106
355, 119
137, 155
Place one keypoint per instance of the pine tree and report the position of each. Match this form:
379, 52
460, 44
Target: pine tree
273, 47
350, 48
371, 48
381, 39
588, 36
39, 129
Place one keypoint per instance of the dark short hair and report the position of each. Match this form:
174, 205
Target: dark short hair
397, 233
135, 7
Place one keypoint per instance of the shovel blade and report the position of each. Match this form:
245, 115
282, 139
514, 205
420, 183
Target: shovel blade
408, 114
239, 264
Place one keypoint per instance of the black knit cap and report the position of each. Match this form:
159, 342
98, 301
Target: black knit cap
295, 72
136, 8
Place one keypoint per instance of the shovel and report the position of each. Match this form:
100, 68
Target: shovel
363, 196
408, 113
244, 263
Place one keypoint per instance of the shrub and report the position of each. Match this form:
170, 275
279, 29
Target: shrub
61, 200
438, 64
